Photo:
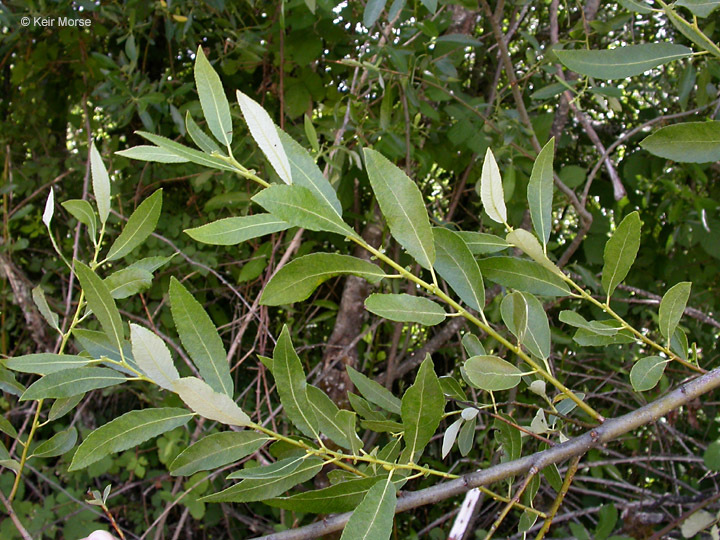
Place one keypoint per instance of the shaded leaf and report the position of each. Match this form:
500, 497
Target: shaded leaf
48, 314
457, 266
83, 212
374, 392
372, 12
153, 357
278, 469
540, 192
215, 451
127, 431
491, 373
326, 413
187, 153
423, 405
297, 280
536, 334
620, 252
646, 372
491, 189
234, 230
342, 497
578, 321
483, 243
405, 308
373, 518
128, 281
101, 184
7, 427
592, 338
57, 445
62, 406
622, 62
200, 338
688, 142
699, 8
141, 223
402, 205
45, 363
9, 384
523, 275
203, 142
205, 401
466, 438
71, 382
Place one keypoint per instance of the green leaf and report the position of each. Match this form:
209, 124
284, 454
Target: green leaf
264, 132
374, 392
310, 132
48, 314
71, 382
62, 406
607, 519
127, 282
451, 388
382, 426
592, 338
578, 321
491, 189
145, 152
83, 212
203, 142
9, 384
342, 497
200, 338
691, 31
688, 142
261, 489
491, 373
466, 438
529, 245
672, 307
622, 62
297, 280
141, 223
646, 372
278, 469
536, 334
372, 12
540, 192
187, 153
45, 363
472, 345
151, 264
98, 345
57, 445
348, 421
457, 266
298, 206
483, 243
215, 451
212, 99
326, 413
234, 230
201, 398
405, 308
291, 385
449, 437
620, 252
101, 302
373, 518
7, 427
699, 8
636, 7
679, 343
422, 409
153, 357
364, 409
711, 457
523, 275
127, 431
305, 173
101, 184
402, 205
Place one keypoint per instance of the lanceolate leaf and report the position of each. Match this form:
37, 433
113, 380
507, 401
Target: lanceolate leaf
449, 437
672, 307
101, 184
527, 242
145, 152
127, 282
41, 302
264, 132
402, 205
372, 12
215, 451
290, 379
422, 409
9, 384
326, 413
204, 142
56, 445
98, 345
101, 302
185, 152
622, 62
620, 252
699, 8
200, 338
374, 392
127, 431
234, 230
405, 308
278, 469
297, 280
536, 334
483, 243
83, 212
342, 497
687, 142
646, 372
491, 189
457, 266
262, 489
44, 363
298, 206
305, 173
142, 222
71, 382
153, 357
373, 518
49, 208
575, 319
212, 99
491, 373
205, 401
523, 275
540, 192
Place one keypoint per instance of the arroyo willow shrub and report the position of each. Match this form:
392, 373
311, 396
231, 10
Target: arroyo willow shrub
455, 267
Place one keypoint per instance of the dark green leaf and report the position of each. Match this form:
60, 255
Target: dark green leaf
373, 518
523, 275
374, 392
372, 12
699, 8
56, 445
185, 152
278, 469
646, 372
141, 223
688, 142
326, 413
457, 266
342, 497
9, 384
215, 451
422, 409
536, 334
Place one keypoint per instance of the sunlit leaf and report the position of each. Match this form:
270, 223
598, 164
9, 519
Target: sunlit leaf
153, 357
523, 275
491, 189
141, 223
540, 192
405, 308
101, 302
457, 266
234, 230
646, 372
423, 405
215, 451
71, 382
205, 401
672, 307
620, 252
687, 142
212, 99
57, 445
101, 184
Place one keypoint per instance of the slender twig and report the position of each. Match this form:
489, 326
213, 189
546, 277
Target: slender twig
572, 469
15, 519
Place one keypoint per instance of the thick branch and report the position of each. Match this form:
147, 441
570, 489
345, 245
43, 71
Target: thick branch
609, 431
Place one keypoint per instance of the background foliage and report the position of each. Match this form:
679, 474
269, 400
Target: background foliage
426, 85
